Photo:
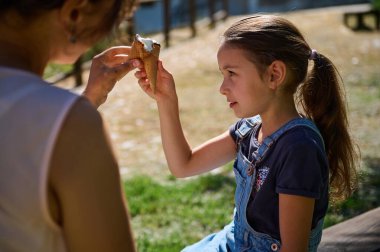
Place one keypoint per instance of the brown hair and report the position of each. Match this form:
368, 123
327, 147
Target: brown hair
320, 91
32, 8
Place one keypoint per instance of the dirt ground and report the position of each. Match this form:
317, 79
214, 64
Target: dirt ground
132, 116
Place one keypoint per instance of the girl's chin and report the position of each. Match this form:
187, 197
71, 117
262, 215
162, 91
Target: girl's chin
240, 114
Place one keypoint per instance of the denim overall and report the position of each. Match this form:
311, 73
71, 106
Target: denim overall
239, 236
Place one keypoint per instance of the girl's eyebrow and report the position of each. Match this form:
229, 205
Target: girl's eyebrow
228, 67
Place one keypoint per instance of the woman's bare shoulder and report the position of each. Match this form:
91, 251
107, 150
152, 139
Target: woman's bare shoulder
82, 141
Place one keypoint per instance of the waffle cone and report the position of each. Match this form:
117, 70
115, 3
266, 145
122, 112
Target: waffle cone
149, 58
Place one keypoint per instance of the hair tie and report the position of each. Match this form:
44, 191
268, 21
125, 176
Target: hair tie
313, 54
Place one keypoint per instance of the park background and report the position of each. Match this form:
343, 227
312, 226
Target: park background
168, 213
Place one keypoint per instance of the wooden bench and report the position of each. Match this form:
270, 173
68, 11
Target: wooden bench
359, 234
359, 17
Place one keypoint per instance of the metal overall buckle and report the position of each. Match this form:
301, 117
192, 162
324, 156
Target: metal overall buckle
251, 169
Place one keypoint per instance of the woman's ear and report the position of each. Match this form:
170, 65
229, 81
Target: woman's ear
71, 13
277, 74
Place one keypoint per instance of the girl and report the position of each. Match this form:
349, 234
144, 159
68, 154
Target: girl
285, 162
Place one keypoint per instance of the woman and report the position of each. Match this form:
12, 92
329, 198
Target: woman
59, 186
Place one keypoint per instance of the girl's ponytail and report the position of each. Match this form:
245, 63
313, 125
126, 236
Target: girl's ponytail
322, 98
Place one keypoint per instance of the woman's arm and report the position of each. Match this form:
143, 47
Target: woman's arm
296, 214
84, 177
107, 68
182, 160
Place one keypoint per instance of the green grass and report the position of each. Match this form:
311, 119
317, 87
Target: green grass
168, 215
54, 69
376, 4
365, 198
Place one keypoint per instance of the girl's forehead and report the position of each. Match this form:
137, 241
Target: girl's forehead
228, 51
232, 55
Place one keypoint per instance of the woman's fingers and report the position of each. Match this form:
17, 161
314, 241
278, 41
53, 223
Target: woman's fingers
114, 56
110, 52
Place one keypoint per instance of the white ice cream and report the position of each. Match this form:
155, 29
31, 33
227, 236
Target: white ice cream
148, 42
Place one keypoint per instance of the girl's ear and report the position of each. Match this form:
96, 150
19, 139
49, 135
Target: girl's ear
277, 74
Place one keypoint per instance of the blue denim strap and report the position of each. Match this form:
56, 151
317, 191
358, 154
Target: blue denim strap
247, 126
270, 140
249, 123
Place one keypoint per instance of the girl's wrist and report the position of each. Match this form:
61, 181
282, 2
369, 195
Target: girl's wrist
167, 102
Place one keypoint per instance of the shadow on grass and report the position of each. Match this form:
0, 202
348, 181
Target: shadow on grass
365, 198
169, 215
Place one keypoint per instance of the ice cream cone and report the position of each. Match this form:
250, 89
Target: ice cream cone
148, 51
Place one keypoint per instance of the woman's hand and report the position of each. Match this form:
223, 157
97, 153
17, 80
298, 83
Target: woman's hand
165, 88
107, 68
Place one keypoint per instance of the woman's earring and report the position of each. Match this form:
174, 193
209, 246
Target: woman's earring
73, 36
74, 17
73, 39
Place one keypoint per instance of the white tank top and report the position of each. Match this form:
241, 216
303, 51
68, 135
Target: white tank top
31, 115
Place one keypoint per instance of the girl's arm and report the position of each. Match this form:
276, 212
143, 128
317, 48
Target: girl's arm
182, 160
296, 214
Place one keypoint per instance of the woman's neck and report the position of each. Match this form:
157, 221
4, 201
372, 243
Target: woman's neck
21, 58
22, 44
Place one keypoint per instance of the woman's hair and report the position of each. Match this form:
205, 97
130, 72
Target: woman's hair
266, 38
31, 8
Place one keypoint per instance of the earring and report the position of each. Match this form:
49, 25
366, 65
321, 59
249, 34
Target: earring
73, 36
73, 39
74, 17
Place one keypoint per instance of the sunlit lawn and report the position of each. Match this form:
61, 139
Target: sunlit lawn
174, 213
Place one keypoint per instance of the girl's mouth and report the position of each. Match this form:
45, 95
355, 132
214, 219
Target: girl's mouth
232, 104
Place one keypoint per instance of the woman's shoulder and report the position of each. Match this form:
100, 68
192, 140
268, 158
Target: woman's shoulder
82, 141
18, 85
82, 117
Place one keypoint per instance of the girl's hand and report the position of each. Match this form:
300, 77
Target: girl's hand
107, 68
165, 87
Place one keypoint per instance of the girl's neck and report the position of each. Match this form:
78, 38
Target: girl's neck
271, 122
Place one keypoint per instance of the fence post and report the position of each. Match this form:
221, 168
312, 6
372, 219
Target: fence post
167, 22
211, 11
246, 6
193, 16
78, 72
226, 9
130, 29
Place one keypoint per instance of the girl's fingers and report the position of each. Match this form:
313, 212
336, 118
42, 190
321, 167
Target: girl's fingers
144, 84
162, 69
140, 74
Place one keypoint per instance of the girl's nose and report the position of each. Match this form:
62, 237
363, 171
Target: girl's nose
223, 88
